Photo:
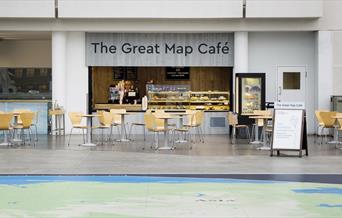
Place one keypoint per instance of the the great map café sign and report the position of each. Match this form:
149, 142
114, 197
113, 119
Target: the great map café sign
159, 49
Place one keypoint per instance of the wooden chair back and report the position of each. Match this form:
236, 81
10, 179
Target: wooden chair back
327, 119
26, 119
5, 121
75, 118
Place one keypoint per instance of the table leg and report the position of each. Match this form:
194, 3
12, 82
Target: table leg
166, 137
181, 140
256, 134
88, 139
264, 147
16, 136
123, 130
335, 140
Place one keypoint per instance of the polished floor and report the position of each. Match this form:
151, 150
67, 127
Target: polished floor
217, 155
167, 197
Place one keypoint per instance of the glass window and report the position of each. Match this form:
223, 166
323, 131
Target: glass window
25, 83
291, 80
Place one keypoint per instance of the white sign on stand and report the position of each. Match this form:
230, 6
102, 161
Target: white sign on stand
289, 127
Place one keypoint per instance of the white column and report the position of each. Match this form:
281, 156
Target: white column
59, 68
241, 52
240, 57
324, 82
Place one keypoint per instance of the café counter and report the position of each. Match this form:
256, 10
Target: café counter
128, 107
41, 106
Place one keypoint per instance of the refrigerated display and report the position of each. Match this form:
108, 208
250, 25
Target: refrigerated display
250, 92
336, 103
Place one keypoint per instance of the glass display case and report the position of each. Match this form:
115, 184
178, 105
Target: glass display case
179, 97
250, 92
168, 96
210, 100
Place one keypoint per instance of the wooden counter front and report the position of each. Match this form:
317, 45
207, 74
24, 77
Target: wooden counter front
128, 107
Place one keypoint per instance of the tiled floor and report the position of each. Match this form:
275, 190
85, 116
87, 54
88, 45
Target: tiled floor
52, 156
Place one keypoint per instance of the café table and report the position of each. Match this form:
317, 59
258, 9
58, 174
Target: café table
256, 129
181, 124
265, 118
335, 134
89, 118
123, 136
166, 117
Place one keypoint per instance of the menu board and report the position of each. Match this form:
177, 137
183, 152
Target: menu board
288, 129
119, 73
125, 73
131, 73
178, 73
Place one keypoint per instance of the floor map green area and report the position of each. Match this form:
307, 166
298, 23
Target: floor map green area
145, 196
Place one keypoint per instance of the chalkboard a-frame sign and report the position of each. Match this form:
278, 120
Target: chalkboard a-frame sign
289, 131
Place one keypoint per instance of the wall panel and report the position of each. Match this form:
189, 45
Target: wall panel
150, 8
284, 8
27, 8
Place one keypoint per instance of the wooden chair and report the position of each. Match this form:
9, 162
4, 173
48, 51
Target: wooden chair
327, 122
5, 126
185, 130
76, 119
153, 126
233, 121
196, 123
106, 120
26, 123
320, 123
116, 122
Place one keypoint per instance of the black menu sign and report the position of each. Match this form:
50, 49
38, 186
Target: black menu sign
125, 73
177, 73
118, 73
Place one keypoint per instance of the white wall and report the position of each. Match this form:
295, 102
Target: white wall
267, 50
25, 53
150, 9
27, 8
337, 62
284, 8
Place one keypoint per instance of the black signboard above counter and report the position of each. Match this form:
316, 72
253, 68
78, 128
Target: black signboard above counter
177, 73
125, 73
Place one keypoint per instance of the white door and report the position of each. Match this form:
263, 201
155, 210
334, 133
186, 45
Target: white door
291, 84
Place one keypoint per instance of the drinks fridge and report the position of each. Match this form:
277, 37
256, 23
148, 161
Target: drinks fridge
336, 103
249, 94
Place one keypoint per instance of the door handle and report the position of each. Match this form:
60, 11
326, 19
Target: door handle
279, 90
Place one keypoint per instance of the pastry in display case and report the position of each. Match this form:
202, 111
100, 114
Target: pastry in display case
210, 100
170, 97
179, 97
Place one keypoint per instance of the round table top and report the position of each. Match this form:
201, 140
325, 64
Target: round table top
181, 113
90, 115
167, 116
261, 117
125, 113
